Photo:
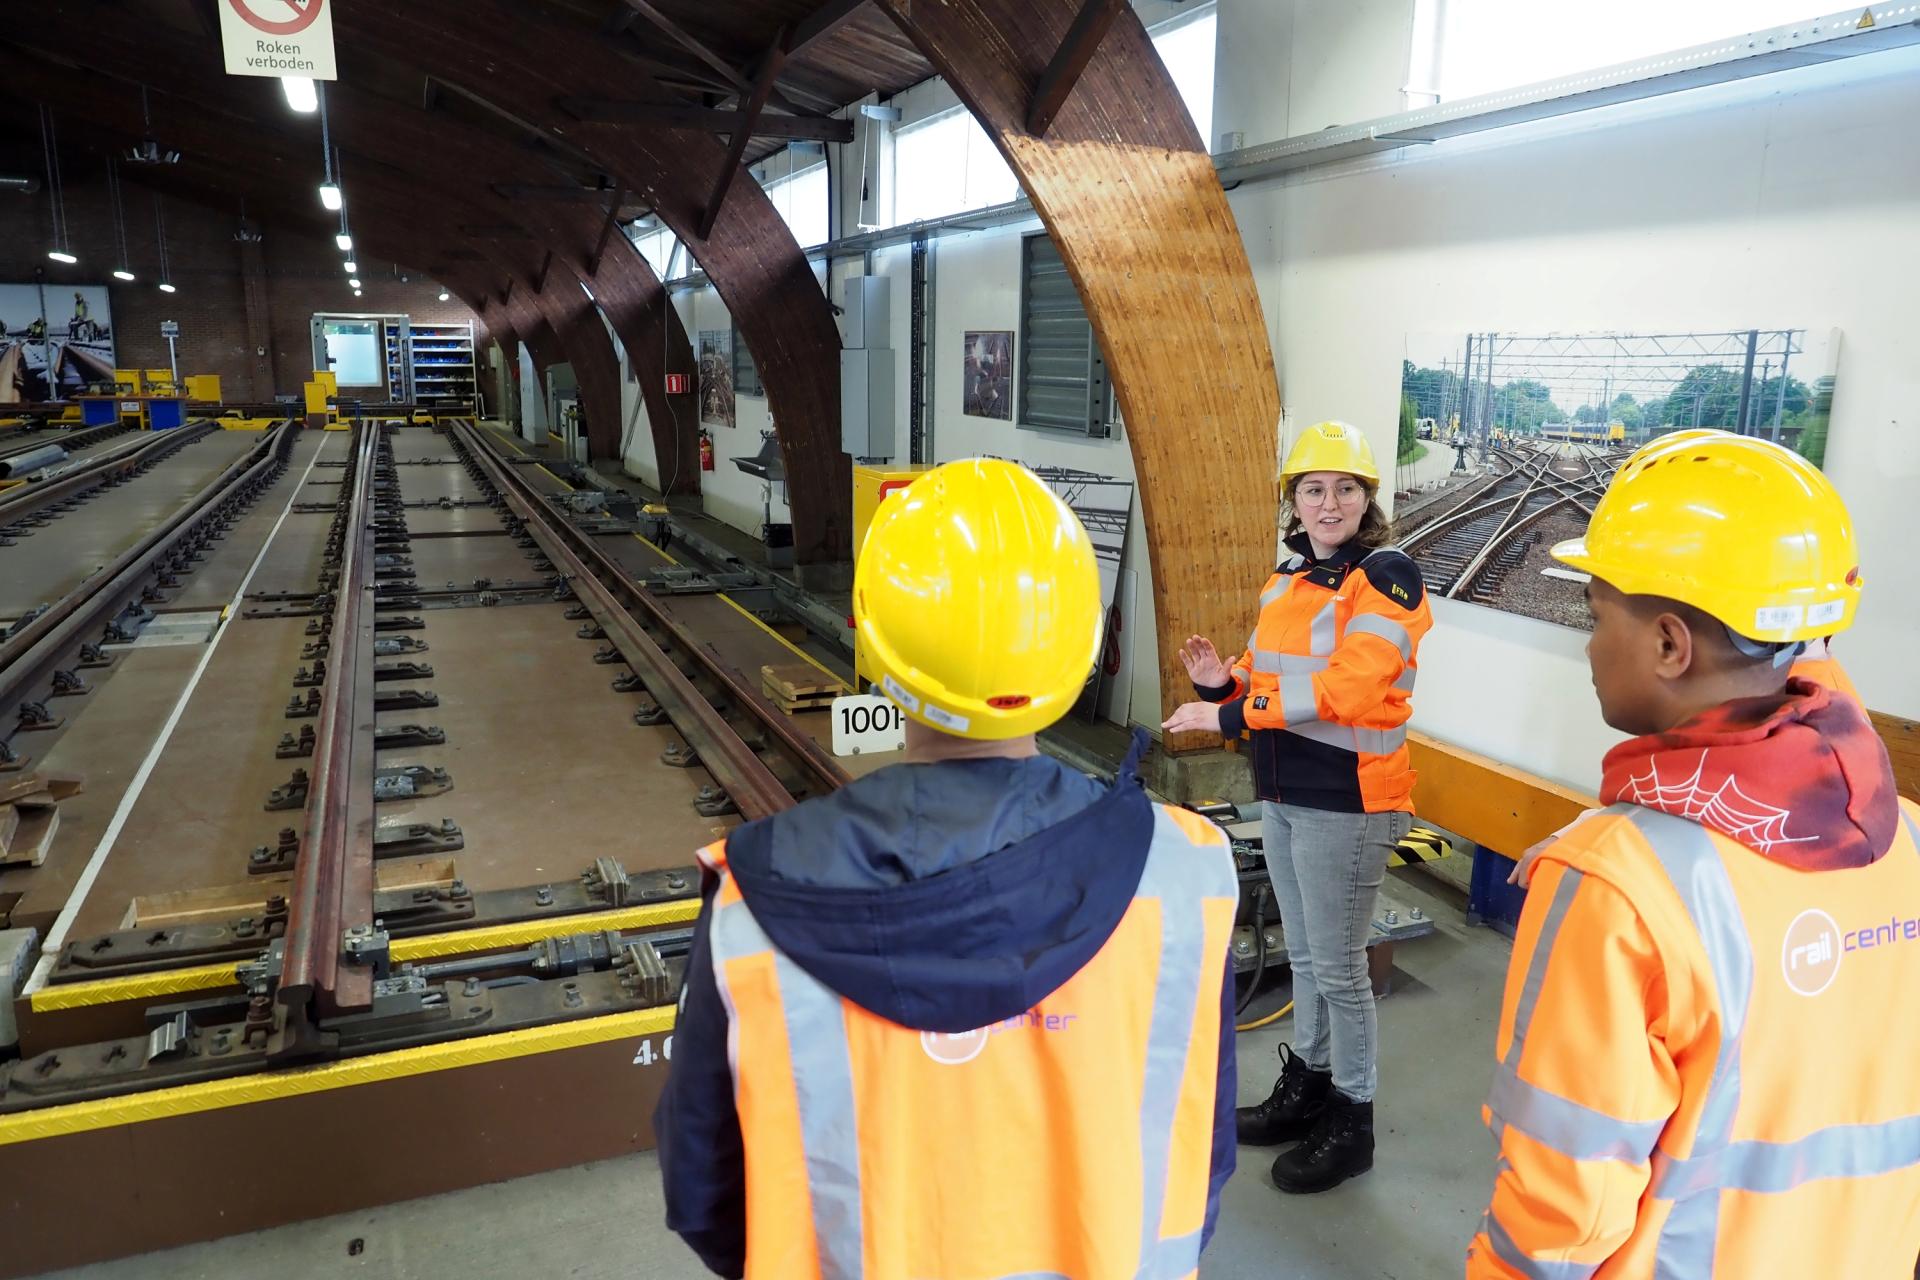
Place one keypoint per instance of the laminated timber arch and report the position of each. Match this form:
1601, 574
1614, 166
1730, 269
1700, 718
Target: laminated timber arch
455, 159
1133, 203
523, 62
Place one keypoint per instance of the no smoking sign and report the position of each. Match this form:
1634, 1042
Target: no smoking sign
278, 38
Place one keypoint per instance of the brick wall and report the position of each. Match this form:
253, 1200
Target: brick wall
302, 275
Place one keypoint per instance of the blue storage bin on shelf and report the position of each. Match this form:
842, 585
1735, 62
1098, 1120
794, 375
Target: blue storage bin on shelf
1490, 899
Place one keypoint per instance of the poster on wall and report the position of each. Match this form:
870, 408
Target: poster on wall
55, 340
987, 382
1507, 440
716, 376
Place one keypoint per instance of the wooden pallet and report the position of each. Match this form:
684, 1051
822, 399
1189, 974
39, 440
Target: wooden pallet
798, 686
30, 815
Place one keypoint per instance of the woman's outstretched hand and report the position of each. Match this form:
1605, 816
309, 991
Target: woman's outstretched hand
1203, 663
1194, 717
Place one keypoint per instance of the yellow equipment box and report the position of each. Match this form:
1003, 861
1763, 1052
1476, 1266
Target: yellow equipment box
204, 386
319, 390
871, 485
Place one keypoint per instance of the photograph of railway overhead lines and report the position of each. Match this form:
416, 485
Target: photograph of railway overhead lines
1507, 440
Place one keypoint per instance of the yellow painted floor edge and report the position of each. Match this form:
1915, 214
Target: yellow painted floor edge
462, 941
81, 995
138, 986
213, 1095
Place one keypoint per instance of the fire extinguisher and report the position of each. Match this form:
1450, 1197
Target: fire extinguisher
706, 452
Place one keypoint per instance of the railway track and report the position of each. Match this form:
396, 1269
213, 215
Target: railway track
42, 437
1468, 551
336, 963
26, 507
44, 655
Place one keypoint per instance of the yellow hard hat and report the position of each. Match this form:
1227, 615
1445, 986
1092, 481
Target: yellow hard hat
978, 601
1683, 436
1331, 446
1743, 529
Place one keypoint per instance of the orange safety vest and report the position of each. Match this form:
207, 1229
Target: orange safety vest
1707, 1065
1071, 1140
1327, 680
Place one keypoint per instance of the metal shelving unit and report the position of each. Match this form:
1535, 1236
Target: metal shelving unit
440, 359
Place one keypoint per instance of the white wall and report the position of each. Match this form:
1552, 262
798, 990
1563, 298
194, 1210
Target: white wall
1787, 201
1292, 66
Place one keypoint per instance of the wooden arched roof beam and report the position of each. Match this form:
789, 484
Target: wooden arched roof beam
522, 63
1132, 201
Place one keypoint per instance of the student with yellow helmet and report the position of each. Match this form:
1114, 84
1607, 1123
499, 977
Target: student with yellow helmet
887, 982
1696, 1072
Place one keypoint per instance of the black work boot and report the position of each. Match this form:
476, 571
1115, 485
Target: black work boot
1291, 1110
1340, 1147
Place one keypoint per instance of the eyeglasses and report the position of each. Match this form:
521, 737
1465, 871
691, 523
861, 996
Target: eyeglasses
1345, 494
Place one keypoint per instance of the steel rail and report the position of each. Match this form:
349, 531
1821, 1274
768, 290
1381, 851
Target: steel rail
68, 439
24, 501
332, 889
613, 597
56, 640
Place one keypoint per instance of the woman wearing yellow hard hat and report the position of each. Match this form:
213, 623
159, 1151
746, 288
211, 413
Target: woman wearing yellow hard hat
1323, 690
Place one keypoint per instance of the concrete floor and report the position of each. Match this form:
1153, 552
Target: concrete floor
1412, 1216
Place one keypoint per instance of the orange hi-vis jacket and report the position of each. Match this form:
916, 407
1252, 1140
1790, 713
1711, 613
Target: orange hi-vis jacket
1707, 1065
1326, 682
1826, 672
1071, 1140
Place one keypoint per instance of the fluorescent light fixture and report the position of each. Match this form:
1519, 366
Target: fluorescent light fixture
443, 295
329, 196
121, 273
300, 94
165, 287
345, 242
61, 255
355, 283
353, 268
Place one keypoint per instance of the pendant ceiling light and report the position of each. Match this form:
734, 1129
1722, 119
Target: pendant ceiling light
300, 94
160, 234
56, 196
329, 189
124, 271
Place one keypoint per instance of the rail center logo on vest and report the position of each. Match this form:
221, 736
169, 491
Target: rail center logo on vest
1810, 952
954, 1048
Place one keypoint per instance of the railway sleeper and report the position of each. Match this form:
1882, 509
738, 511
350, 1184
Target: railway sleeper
604, 885
242, 1034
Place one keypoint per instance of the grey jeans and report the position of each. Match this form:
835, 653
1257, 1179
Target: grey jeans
1326, 869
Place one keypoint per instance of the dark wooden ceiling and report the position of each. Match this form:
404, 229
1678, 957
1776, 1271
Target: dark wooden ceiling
90, 59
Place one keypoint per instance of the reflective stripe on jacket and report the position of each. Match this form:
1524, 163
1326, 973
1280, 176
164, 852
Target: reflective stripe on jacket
1326, 682
1706, 1062
1074, 1139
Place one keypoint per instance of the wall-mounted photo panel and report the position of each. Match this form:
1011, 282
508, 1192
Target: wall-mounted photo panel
65, 329
716, 377
987, 380
1507, 440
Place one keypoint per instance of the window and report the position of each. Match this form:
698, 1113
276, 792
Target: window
746, 374
1063, 376
800, 194
1186, 45
946, 164
658, 245
1483, 46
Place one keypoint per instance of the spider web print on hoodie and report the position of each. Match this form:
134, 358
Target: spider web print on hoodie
1802, 778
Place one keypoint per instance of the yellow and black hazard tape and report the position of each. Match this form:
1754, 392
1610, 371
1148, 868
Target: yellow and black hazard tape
1422, 844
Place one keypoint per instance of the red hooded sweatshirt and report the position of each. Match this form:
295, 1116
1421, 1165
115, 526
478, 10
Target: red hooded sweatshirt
1801, 778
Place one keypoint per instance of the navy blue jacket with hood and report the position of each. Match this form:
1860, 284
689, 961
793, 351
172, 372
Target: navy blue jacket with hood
1041, 863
